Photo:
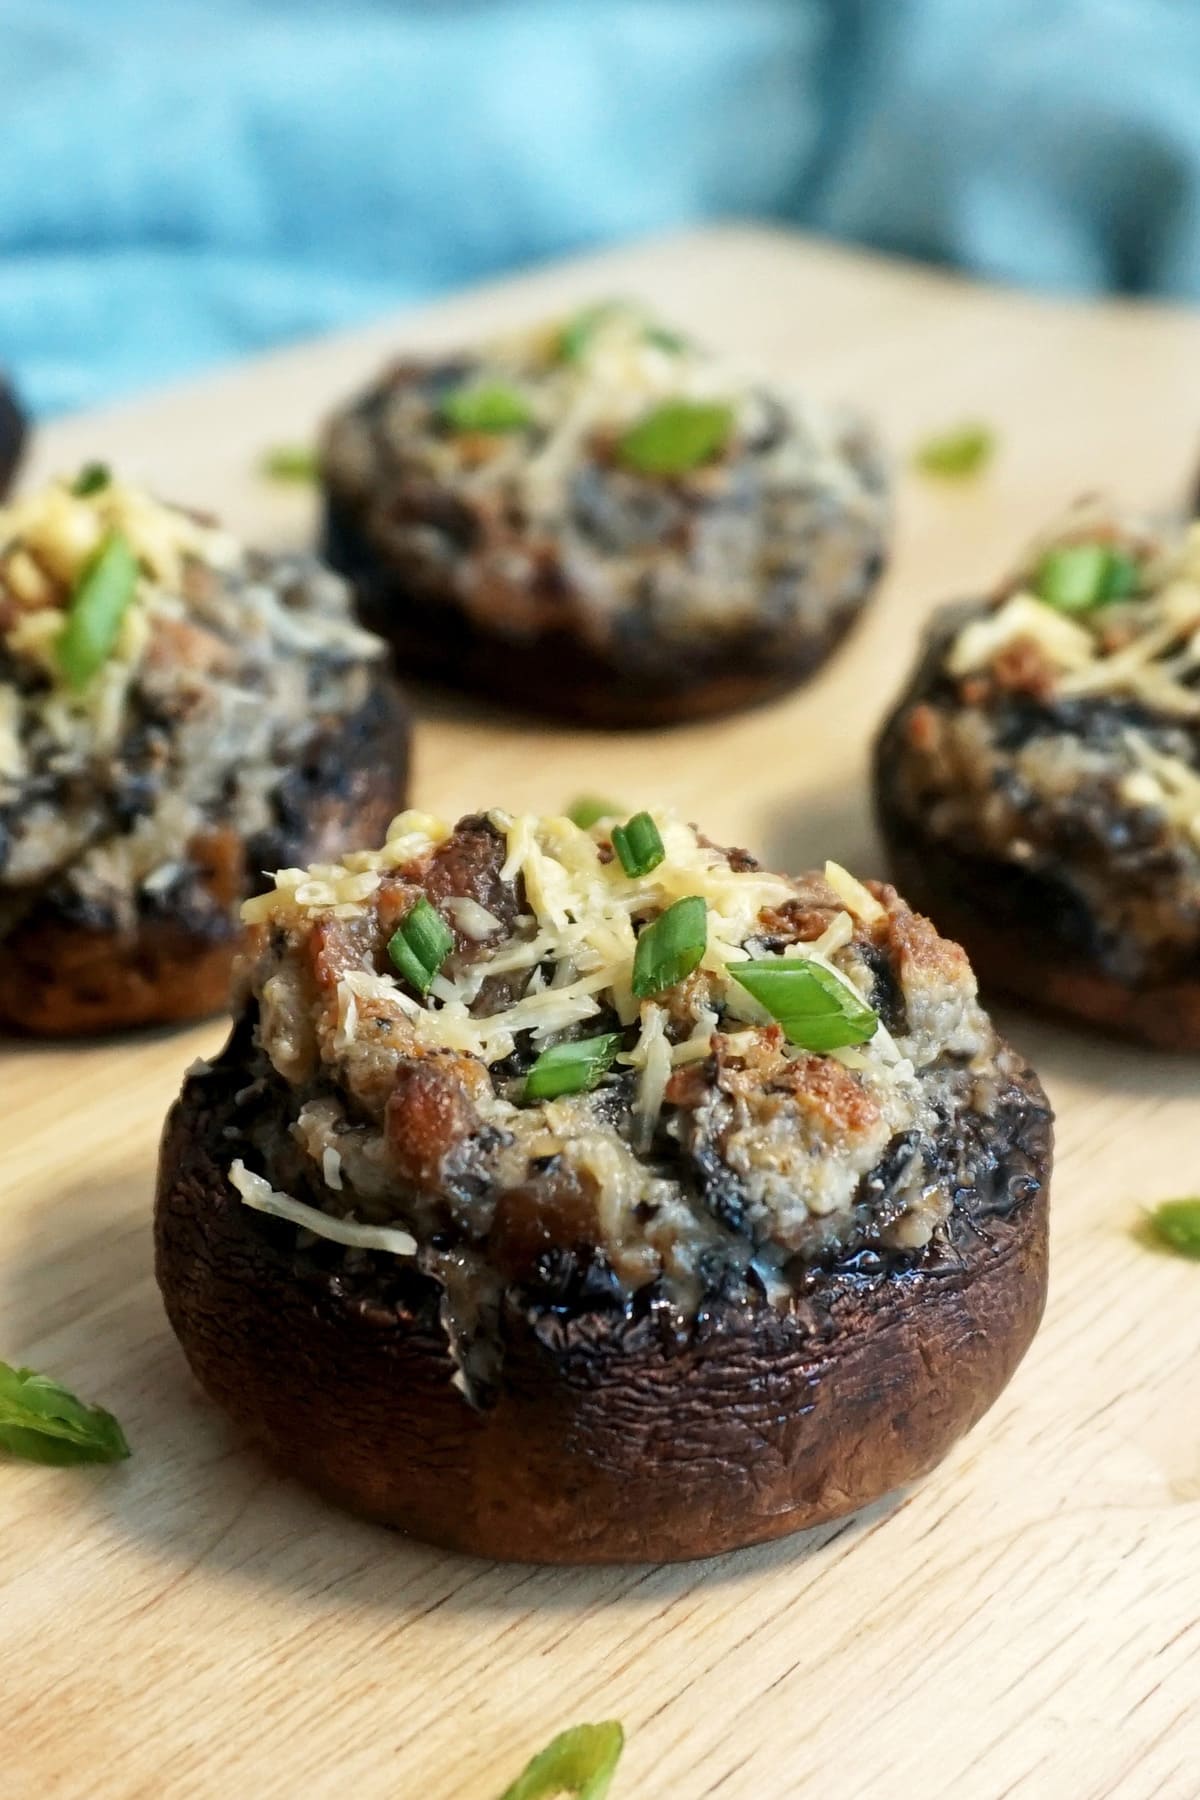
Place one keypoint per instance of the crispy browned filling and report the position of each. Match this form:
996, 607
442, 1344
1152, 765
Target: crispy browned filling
763, 1164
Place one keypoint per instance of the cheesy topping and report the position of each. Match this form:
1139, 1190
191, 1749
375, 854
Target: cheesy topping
222, 662
782, 520
583, 916
1145, 645
715, 1147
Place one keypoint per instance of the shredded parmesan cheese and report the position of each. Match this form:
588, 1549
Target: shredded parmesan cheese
257, 1192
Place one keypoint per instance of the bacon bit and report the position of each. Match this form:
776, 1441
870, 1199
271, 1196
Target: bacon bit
179, 644
1022, 668
478, 447
923, 954
797, 923
335, 946
922, 728
429, 1119
687, 1086
220, 859
1116, 637
829, 1092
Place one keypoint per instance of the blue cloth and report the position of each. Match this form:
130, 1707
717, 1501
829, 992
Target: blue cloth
192, 180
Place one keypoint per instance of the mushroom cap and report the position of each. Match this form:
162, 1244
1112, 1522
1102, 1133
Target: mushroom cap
1020, 928
613, 1436
64, 973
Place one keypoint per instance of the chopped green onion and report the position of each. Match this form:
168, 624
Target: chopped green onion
675, 437
290, 462
1177, 1224
575, 337
486, 406
967, 450
574, 340
590, 808
421, 945
580, 1762
91, 479
663, 338
817, 1009
1076, 577
96, 609
638, 844
571, 1068
44, 1423
669, 949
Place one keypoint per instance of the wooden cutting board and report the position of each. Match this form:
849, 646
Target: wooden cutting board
1027, 1621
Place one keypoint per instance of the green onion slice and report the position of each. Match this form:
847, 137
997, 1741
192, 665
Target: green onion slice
91, 479
574, 340
1076, 577
965, 451
290, 462
1177, 1224
490, 406
817, 1009
96, 609
571, 1068
575, 337
638, 844
44, 1423
589, 809
421, 944
675, 437
669, 949
581, 1762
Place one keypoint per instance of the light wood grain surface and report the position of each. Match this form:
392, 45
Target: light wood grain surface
1027, 1621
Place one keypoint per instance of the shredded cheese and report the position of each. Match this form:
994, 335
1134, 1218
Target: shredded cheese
577, 946
257, 1192
1147, 645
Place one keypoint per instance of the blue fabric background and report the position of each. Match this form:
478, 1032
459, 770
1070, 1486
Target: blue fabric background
184, 181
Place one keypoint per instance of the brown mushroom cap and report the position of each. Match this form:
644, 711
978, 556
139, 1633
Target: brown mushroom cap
613, 1437
561, 673
62, 974
1003, 917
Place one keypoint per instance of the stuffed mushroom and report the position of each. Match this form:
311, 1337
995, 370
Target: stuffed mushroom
12, 435
596, 1195
599, 519
1039, 783
177, 715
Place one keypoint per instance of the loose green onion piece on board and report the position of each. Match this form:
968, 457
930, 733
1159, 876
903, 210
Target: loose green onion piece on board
589, 809
571, 1068
817, 1009
91, 479
1176, 1223
421, 944
44, 1423
580, 1762
485, 406
290, 462
965, 451
1076, 577
675, 437
669, 949
638, 845
96, 609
